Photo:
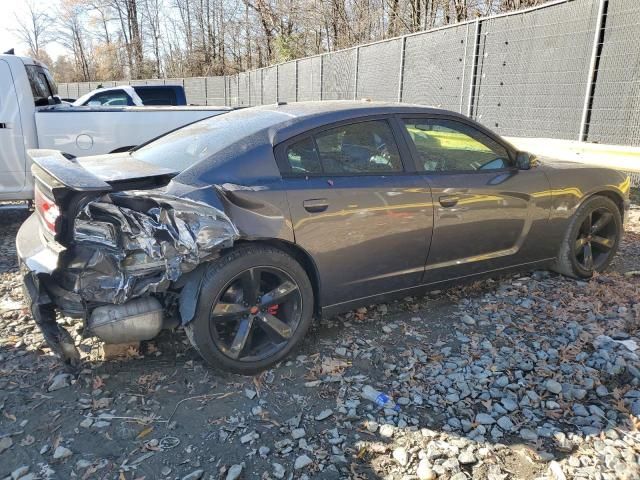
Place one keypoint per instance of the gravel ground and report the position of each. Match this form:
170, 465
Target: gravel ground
519, 377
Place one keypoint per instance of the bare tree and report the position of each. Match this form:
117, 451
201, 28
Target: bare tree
112, 39
34, 30
152, 10
72, 35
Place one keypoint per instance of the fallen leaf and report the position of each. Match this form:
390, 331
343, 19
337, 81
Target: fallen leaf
9, 416
144, 433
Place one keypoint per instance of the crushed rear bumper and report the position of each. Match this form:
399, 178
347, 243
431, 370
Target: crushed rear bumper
123, 246
38, 259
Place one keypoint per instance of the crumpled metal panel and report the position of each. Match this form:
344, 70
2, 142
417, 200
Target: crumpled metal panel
131, 243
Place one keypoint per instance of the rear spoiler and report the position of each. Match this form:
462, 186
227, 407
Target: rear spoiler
66, 171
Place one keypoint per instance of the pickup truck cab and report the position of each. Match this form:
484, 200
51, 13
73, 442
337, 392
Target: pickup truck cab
33, 116
134, 96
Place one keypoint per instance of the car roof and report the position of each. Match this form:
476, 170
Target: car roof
242, 159
312, 108
144, 87
303, 116
25, 60
345, 109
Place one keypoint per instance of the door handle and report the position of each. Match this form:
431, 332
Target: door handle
315, 205
3, 125
449, 200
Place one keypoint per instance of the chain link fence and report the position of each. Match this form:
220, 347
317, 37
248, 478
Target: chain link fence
568, 69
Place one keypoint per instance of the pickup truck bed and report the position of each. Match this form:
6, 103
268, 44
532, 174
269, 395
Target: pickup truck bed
32, 116
84, 131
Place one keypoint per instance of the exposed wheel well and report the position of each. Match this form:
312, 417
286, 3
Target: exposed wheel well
303, 258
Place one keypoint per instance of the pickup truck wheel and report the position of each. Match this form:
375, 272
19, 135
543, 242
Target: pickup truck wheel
591, 240
255, 305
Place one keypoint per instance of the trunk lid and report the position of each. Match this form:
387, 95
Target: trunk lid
101, 173
63, 185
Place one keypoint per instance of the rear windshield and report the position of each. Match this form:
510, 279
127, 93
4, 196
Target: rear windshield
42, 85
157, 96
189, 145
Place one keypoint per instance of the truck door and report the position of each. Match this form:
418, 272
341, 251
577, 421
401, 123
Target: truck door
12, 151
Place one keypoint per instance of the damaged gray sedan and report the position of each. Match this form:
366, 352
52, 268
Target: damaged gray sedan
246, 226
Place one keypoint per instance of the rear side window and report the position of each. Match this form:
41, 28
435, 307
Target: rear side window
205, 139
303, 157
366, 147
157, 96
450, 146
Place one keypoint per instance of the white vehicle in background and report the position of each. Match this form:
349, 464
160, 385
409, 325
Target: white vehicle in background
134, 96
32, 116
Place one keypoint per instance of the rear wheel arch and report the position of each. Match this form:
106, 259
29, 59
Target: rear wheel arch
212, 342
303, 258
191, 282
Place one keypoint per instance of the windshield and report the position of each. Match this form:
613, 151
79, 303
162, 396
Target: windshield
42, 85
189, 145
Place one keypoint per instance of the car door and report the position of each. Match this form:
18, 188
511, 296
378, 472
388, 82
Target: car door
12, 148
488, 214
364, 219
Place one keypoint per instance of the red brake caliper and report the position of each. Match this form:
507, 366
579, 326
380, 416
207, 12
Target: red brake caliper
273, 309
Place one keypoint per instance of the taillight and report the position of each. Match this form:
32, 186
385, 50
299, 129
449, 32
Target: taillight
47, 209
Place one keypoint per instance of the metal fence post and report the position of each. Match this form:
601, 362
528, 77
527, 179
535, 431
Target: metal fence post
474, 66
277, 83
464, 67
248, 75
592, 72
226, 99
321, 74
401, 76
355, 79
296, 96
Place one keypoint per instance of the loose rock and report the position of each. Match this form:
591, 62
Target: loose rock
302, 461
61, 453
234, 472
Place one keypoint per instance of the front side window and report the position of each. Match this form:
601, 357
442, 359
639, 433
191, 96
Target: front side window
450, 146
366, 147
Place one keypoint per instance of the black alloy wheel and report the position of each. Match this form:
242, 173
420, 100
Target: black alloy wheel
592, 238
256, 314
255, 305
597, 235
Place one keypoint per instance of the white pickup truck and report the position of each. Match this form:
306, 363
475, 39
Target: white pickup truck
32, 116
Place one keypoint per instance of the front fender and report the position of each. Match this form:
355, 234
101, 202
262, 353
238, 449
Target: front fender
571, 184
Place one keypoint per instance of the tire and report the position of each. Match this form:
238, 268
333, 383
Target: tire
226, 274
572, 260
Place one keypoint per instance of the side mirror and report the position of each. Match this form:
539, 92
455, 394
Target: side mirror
524, 160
